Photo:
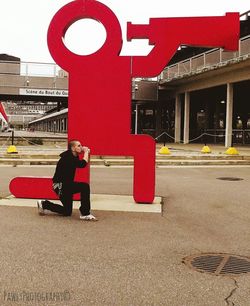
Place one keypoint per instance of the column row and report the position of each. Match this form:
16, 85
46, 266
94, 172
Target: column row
186, 117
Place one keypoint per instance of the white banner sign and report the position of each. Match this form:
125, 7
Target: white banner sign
43, 92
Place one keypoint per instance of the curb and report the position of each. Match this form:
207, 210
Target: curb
130, 162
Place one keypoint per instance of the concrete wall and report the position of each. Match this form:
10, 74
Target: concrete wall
10, 67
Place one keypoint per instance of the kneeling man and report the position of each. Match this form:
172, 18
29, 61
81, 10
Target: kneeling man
65, 187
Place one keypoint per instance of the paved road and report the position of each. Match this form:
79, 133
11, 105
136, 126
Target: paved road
130, 258
169, 180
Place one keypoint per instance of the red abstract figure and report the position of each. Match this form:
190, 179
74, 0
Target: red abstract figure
99, 105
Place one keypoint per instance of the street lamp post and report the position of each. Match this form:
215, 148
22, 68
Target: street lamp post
136, 119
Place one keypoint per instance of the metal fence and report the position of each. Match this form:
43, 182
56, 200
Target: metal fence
239, 136
31, 69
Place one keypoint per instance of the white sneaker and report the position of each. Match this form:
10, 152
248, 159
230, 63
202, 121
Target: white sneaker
88, 218
40, 207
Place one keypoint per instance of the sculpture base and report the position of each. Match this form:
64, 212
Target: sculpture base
98, 202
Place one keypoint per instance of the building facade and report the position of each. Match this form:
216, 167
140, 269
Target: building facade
21, 113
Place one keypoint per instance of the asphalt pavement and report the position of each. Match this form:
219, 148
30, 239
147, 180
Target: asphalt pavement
129, 258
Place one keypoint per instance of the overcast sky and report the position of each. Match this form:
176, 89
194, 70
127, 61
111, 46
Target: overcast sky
24, 23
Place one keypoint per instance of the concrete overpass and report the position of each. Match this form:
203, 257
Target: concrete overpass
35, 81
32, 81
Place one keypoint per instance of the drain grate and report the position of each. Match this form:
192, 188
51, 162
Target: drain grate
233, 179
219, 264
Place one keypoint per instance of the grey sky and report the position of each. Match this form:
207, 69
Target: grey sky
24, 23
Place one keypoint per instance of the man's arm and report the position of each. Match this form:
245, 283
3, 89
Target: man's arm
86, 151
167, 34
81, 163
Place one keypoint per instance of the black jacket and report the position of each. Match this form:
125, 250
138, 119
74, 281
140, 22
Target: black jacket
66, 167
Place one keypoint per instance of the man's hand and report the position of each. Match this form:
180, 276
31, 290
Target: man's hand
85, 149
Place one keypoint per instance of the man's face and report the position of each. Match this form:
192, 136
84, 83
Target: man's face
77, 147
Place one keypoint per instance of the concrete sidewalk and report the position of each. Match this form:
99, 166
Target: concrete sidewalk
190, 148
102, 202
216, 149
180, 154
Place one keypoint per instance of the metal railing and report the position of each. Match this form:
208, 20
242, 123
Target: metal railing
16, 75
239, 136
31, 69
206, 61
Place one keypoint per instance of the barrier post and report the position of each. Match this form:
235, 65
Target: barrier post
164, 149
12, 149
205, 148
232, 150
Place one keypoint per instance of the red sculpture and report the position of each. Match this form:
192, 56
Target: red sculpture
99, 105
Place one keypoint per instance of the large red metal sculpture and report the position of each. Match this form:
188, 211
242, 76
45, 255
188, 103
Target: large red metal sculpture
99, 105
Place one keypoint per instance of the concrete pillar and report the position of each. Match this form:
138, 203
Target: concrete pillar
186, 117
177, 127
65, 126
229, 116
58, 126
